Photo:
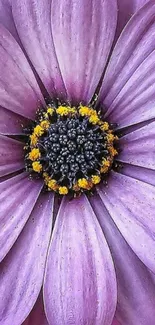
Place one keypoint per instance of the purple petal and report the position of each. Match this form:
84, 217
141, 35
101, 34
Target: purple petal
80, 285
138, 147
143, 174
21, 273
127, 90
115, 322
131, 204
126, 9
18, 196
11, 123
37, 315
11, 155
33, 22
19, 90
136, 290
6, 17
83, 32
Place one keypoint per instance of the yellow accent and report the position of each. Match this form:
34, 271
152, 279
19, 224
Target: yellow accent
63, 190
110, 137
104, 126
84, 111
34, 140
50, 111
94, 119
52, 184
65, 110
83, 183
105, 166
92, 113
45, 124
113, 151
38, 130
46, 115
95, 179
37, 167
46, 177
34, 154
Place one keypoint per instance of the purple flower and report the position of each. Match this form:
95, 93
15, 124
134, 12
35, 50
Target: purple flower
88, 260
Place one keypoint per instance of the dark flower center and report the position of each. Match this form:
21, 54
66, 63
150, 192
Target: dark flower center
71, 148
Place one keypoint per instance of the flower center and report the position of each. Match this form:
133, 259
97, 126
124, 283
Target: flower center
71, 148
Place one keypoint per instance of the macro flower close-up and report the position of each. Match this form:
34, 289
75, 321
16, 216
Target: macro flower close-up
77, 162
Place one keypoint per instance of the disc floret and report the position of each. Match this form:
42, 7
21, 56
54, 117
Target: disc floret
71, 148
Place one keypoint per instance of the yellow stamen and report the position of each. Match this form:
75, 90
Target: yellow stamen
113, 151
34, 154
65, 110
95, 179
104, 126
38, 130
34, 140
105, 166
84, 111
52, 184
45, 124
63, 190
83, 183
50, 111
46, 178
37, 167
110, 137
94, 119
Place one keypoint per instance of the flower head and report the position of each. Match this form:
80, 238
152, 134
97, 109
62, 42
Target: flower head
77, 163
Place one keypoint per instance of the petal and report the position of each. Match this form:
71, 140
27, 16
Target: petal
19, 90
131, 204
37, 315
127, 89
83, 32
11, 123
33, 22
21, 273
115, 322
126, 9
138, 147
6, 17
136, 290
11, 155
80, 285
143, 174
18, 196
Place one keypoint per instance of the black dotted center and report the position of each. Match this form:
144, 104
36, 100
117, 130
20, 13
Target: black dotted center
72, 148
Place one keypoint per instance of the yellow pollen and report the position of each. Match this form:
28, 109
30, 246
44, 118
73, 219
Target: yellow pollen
50, 111
45, 124
113, 151
52, 184
34, 154
96, 179
84, 111
38, 130
46, 177
37, 167
104, 126
63, 190
110, 137
65, 110
83, 183
34, 140
105, 166
94, 119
